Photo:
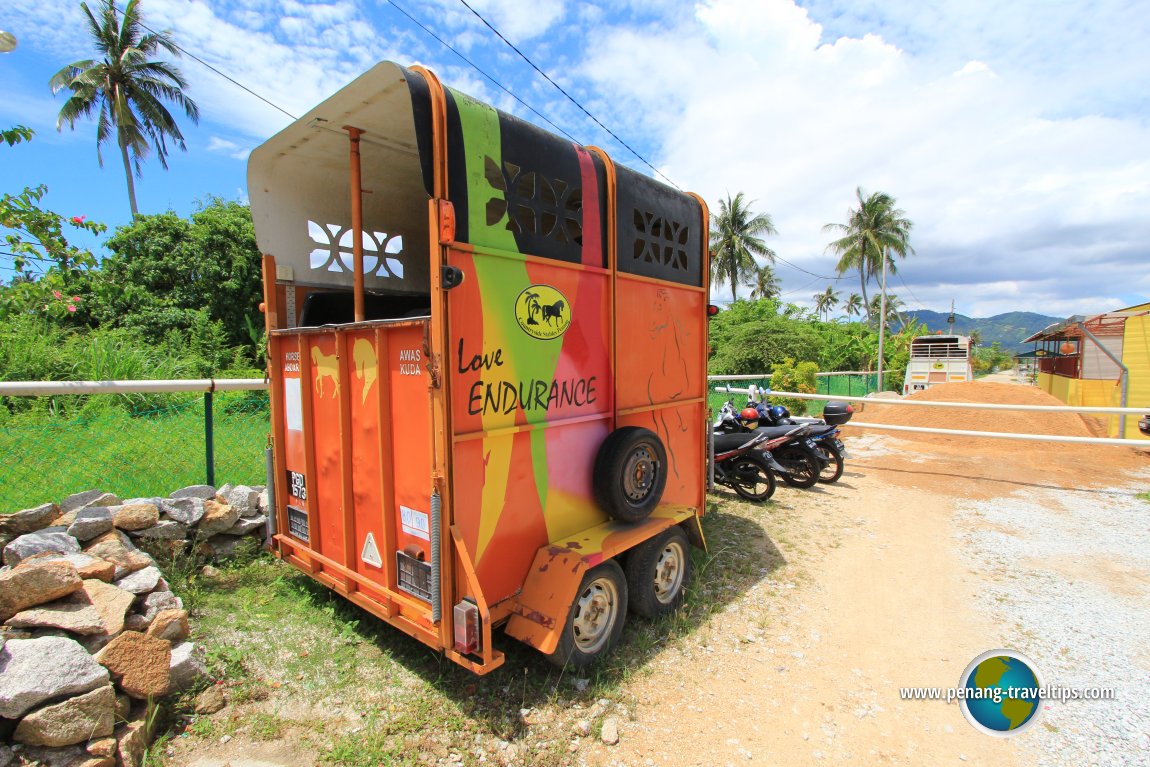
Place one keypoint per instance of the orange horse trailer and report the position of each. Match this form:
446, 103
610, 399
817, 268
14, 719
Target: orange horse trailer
487, 356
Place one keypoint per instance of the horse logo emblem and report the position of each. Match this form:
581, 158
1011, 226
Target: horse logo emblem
543, 312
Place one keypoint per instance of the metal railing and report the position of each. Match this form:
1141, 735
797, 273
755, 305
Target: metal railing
134, 438
1124, 442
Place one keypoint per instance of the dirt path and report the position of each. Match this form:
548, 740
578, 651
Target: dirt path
889, 604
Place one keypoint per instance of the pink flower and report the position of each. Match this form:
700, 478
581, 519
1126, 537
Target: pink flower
75, 299
57, 294
78, 219
71, 307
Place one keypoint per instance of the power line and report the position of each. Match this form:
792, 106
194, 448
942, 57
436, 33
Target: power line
571, 98
231, 80
478, 69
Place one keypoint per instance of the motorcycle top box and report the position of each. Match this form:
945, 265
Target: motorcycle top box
837, 413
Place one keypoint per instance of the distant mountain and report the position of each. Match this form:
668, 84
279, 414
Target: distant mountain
1008, 329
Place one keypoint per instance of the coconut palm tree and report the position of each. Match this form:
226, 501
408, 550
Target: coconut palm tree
736, 240
874, 231
826, 301
853, 305
126, 89
893, 309
766, 285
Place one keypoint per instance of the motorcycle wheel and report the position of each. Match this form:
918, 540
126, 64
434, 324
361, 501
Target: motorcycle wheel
804, 470
760, 488
834, 468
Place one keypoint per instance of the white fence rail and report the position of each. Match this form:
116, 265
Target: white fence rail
1138, 442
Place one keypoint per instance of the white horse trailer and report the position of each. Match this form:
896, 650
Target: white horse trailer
937, 359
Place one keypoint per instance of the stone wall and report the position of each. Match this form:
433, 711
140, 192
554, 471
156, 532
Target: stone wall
90, 630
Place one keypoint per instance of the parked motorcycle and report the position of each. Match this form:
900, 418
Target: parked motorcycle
797, 458
825, 434
744, 461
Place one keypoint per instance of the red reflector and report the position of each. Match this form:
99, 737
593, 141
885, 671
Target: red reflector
850, 408
712, 310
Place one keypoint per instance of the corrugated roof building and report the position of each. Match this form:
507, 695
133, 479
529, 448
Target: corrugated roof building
1083, 361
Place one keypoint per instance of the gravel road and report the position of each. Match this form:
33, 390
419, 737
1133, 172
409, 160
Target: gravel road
1069, 583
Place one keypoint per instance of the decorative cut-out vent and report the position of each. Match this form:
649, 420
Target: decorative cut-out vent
660, 240
534, 204
382, 252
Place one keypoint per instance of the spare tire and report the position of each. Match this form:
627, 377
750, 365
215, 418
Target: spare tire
630, 473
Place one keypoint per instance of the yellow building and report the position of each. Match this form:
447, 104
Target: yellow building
1084, 362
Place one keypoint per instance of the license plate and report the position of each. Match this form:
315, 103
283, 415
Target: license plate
811, 444
839, 444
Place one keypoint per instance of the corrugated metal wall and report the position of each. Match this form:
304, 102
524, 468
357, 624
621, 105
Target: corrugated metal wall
1136, 356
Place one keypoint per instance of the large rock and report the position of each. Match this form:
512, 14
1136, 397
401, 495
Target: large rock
141, 581
138, 663
166, 530
187, 666
132, 741
243, 498
203, 492
118, 549
220, 547
76, 617
217, 518
35, 583
90, 522
154, 603
74, 720
35, 543
46, 756
80, 500
264, 502
245, 526
111, 602
86, 565
33, 671
186, 511
28, 520
171, 625
135, 516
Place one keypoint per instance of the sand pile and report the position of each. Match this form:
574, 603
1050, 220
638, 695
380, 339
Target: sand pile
1089, 464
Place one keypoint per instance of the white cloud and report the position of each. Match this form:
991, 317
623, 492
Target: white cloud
229, 148
751, 96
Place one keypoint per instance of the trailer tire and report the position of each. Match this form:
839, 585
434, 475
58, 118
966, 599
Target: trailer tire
595, 621
658, 573
630, 473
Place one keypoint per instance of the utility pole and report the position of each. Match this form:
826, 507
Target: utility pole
950, 319
882, 320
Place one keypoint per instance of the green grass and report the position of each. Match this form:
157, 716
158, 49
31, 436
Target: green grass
300, 663
49, 458
1145, 496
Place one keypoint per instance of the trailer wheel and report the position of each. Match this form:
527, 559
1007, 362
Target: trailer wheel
630, 473
658, 572
595, 621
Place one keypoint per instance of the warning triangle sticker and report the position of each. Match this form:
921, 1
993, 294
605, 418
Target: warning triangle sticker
370, 553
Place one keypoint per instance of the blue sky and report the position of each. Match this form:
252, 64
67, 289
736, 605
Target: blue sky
1015, 135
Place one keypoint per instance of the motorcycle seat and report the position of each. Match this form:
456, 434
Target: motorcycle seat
728, 442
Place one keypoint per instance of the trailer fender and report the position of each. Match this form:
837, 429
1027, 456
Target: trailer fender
540, 610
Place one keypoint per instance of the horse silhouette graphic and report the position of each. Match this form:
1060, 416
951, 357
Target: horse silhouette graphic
326, 366
553, 312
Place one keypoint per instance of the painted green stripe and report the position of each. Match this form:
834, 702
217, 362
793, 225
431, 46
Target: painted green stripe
500, 280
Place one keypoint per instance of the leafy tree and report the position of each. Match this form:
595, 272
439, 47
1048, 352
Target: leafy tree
874, 231
800, 378
826, 301
13, 136
736, 240
49, 269
893, 306
853, 305
186, 282
750, 336
766, 285
126, 88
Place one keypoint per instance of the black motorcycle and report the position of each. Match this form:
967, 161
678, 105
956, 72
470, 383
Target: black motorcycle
797, 458
744, 461
825, 434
